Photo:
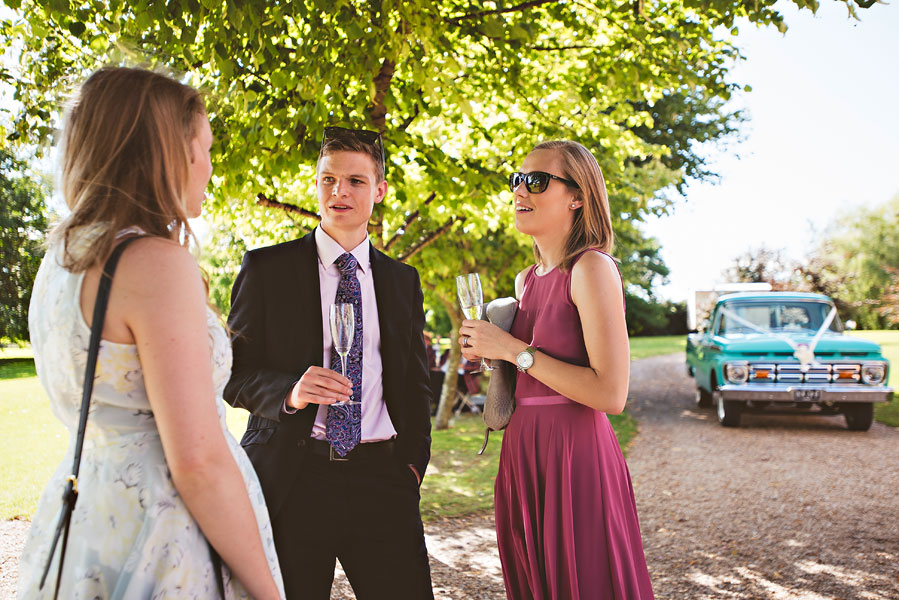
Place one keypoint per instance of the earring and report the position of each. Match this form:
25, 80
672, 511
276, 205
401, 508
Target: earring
573, 206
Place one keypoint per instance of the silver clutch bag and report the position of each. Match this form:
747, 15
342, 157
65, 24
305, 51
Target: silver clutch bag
500, 402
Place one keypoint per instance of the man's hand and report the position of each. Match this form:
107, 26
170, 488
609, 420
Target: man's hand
319, 386
417, 476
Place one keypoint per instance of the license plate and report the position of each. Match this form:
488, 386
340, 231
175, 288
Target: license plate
806, 395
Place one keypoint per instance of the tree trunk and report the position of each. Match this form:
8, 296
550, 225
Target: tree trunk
448, 393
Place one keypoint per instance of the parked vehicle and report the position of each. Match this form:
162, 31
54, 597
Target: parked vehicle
785, 352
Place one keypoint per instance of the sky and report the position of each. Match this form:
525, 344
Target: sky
822, 139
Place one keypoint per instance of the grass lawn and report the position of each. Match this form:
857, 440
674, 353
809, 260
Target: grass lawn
32, 440
889, 342
15, 352
644, 347
459, 481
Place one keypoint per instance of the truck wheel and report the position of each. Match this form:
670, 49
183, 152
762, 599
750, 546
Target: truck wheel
859, 416
703, 398
728, 410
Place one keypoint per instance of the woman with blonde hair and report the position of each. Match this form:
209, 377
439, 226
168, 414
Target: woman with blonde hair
161, 479
566, 520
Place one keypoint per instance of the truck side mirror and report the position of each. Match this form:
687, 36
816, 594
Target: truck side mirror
850, 325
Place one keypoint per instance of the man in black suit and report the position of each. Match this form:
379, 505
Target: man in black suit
340, 480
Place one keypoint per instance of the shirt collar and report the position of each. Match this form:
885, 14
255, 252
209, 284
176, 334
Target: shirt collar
329, 250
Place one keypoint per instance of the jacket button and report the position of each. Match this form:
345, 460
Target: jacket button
301, 443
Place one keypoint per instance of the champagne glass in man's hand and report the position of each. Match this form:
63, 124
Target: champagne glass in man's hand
471, 298
343, 326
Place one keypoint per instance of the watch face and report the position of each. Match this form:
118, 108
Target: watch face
525, 360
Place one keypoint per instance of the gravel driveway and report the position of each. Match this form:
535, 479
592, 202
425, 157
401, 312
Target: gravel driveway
783, 508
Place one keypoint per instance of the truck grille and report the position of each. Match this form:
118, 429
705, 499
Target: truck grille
792, 373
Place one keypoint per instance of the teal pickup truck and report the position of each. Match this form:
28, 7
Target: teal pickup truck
785, 352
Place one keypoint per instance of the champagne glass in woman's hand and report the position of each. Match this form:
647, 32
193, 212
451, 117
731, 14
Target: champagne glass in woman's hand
472, 300
343, 325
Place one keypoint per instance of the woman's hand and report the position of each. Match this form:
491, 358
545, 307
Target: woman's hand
482, 339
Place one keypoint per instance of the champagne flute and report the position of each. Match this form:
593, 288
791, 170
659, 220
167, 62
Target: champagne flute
343, 326
471, 298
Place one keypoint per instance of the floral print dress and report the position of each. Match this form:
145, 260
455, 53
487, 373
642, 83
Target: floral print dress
131, 534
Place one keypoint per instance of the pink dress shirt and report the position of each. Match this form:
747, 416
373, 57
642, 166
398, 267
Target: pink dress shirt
376, 423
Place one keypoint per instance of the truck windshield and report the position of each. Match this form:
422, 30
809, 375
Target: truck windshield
783, 315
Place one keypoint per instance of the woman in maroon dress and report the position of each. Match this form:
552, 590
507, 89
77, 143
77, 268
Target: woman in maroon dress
566, 520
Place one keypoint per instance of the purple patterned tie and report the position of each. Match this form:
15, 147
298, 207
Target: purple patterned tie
344, 423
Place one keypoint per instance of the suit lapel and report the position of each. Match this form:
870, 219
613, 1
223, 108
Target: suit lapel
391, 313
306, 316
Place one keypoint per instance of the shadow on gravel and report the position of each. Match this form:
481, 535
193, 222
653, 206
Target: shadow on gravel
797, 580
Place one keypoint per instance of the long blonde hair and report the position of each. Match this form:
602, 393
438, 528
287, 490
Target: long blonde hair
125, 161
592, 226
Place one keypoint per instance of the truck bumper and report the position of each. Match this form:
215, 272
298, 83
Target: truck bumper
805, 393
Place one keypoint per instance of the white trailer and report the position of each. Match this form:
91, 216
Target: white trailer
701, 302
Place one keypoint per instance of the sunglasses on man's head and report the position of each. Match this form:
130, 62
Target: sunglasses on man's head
536, 182
372, 138
363, 135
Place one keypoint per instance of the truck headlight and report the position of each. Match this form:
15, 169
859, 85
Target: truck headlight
736, 372
874, 373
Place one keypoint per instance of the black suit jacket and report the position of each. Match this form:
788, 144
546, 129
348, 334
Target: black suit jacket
276, 327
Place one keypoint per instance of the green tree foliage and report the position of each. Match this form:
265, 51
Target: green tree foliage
460, 90
655, 318
821, 274
497, 257
23, 222
762, 265
859, 263
856, 264
818, 273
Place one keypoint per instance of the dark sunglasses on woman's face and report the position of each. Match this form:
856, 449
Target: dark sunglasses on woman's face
536, 182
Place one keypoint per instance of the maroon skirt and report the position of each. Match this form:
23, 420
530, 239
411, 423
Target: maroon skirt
566, 520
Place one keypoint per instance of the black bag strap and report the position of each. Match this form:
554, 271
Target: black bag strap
70, 495
217, 567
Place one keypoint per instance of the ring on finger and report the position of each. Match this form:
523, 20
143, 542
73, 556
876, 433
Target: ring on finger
465, 341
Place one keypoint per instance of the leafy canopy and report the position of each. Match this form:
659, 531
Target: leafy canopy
23, 221
856, 263
460, 90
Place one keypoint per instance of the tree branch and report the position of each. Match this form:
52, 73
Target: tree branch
415, 112
376, 226
412, 216
429, 239
451, 379
263, 200
557, 48
498, 11
378, 112
537, 109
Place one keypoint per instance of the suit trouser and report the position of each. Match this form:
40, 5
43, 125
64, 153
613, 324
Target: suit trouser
364, 512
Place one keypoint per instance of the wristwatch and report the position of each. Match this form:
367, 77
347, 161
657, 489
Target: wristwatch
525, 359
